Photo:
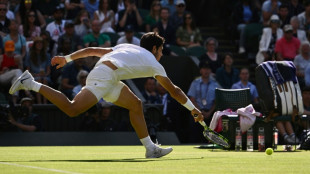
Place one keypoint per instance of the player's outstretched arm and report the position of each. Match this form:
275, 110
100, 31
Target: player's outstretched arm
61, 61
179, 95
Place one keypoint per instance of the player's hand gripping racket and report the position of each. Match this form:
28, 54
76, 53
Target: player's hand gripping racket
213, 136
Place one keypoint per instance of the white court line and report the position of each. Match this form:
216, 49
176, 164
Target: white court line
39, 168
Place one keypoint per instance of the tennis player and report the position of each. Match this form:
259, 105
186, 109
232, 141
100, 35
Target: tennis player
124, 61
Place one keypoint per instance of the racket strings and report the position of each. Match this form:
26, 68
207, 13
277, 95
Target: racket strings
217, 139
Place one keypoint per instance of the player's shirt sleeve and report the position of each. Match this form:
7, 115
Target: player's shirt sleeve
159, 70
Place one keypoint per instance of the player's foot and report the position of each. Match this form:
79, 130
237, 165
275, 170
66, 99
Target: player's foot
23, 82
157, 152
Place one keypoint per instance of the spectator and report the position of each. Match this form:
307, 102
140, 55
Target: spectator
295, 8
211, 56
91, 6
102, 39
188, 35
130, 15
19, 40
90, 62
81, 78
299, 34
244, 13
154, 16
98, 118
48, 7
9, 14
56, 28
269, 8
244, 83
164, 97
301, 61
4, 21
76, 42
149, 92
129, 37
29, 29
288, 46
82, 24
306, 98
105, 16
170, 4
202, 92
286, 131
73, 7
38, 64
11, 66
177, 17
307, 76
24, 8
48, 41
117, 6
69, 74
227, 75
165, 29
283, 15
268, 40
27, 121
304, 22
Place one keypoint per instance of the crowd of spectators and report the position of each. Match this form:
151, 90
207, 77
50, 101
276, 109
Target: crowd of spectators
33, 31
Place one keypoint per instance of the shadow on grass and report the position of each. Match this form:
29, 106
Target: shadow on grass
112, 160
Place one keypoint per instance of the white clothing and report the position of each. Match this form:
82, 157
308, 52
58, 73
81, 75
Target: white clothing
10, 15
302, 21
123, 39
56, 30
107, 26
102, 81
131, 61
265, 42
301, 35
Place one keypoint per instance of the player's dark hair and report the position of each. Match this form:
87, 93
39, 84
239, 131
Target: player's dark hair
151, 39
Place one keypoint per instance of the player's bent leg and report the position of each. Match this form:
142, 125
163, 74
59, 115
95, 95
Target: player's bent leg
127, 99
81, 102
130, 101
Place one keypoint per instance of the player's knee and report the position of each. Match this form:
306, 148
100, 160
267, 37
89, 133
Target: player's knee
136, 105
72, 112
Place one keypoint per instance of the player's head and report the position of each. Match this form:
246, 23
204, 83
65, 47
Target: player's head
153, 43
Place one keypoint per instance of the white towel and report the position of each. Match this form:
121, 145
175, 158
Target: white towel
247, 117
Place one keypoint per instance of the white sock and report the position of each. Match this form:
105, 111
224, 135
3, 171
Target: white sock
36, 86
147, 142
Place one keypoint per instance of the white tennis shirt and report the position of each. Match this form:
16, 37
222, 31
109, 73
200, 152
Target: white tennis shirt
133, 62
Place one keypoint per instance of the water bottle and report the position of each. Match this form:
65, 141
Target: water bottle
261, 139
275, 138
238, 142
249, 140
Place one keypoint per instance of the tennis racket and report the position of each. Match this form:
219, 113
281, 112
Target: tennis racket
213, 136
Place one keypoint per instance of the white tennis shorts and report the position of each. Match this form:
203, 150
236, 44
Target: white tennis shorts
102, 81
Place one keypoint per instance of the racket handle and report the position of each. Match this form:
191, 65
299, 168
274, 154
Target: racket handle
201, 122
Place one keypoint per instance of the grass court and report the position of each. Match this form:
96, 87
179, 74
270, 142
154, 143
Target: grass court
130, 159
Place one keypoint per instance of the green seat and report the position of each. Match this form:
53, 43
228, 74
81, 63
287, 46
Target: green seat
196, 51
113, 36
232, 98
177, 50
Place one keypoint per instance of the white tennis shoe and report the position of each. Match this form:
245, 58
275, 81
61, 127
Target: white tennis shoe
157, 152
23, 82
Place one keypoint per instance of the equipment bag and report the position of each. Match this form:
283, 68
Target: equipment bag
278, 89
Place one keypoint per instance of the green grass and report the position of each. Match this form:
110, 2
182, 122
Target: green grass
130, 159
